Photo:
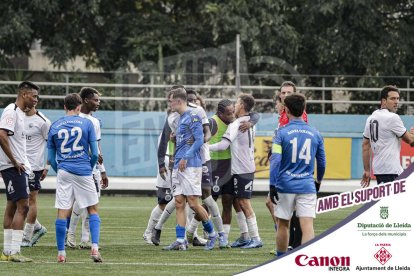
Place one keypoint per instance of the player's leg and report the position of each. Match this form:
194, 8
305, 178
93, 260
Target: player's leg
168, 210
20, 196
7, 228
240, 217
295, 238
284, 211
271, 207
305, 210
95, 226
177, 190
75, 216
34, 230
227, 199
152, 221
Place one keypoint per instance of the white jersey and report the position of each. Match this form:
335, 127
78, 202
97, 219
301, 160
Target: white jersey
174, 117
241, 147
97, 126
12, 121
37, 128
384, 130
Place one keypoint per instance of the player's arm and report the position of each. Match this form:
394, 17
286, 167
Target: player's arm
228, 137
162, 149
206, 132
254, 118
222, 145
4, 142
51, 157
366, 160
101, 168
45, 132
275, 160
320, 164
197, 132
94, 152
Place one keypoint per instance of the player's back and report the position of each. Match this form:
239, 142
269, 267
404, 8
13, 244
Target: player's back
300, 145
71, 136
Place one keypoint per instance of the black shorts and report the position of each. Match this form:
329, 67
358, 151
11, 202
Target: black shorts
16, 184
164, 195
243, 185
384, 178
34, 180
222, 178
206, 176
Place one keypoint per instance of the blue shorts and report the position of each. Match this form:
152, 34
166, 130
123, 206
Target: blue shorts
206, 176
34, 180
16, 184
243, 185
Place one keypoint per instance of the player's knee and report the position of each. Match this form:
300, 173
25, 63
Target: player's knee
23, 209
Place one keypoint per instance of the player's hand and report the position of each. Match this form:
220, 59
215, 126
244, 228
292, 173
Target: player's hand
100, 159
317, 185
366, 178
163, 172
182, 165
104, 180
44, 173
19, 167
245, 126
274, 197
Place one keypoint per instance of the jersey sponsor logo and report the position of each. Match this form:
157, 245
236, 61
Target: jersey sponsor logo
31, 125
28, 137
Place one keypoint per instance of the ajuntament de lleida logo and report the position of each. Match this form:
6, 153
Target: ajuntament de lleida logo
384, 212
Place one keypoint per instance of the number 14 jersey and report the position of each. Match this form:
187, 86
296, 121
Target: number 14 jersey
71, 136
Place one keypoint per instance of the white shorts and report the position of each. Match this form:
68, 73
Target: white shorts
161, 183
70, 187
187, 182
304, 204
97, 181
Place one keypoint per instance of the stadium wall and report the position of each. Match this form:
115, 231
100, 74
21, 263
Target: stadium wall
129, 142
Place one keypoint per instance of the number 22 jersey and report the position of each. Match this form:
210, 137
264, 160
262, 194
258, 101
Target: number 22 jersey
71, 136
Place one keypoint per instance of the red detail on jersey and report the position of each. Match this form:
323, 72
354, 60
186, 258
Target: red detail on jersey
284, 120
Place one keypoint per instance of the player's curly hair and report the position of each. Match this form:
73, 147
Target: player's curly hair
221, 107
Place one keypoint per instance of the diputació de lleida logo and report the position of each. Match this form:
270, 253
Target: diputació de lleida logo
384, 212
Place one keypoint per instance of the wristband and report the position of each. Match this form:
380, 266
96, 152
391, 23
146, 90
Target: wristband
47, 167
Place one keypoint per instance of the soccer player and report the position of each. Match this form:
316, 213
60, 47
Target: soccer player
292, 186
242, 165
14, 168
187, 171
382, 134
37, 128
69, 141
90, 104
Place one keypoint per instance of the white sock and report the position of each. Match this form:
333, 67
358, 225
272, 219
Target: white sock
226, 228
85, 226
7, 242
215, 213
253, 229
192, 226
28, 231
37, 225
74, 218
17, 237
241, 221
168, 210
153, 219
62, 253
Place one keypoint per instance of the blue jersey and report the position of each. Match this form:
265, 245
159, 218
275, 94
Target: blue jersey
294, 150
189, 126
71, 136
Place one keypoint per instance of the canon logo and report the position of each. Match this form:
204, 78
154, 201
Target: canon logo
304, 260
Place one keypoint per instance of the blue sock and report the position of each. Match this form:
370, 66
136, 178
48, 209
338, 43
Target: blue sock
208, 226
94, 227
180, 232
60, 233
279, 253
67, 222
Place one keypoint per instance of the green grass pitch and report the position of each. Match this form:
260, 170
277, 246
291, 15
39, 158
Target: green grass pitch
124, 219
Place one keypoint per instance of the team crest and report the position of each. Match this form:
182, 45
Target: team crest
216, 188
384, 212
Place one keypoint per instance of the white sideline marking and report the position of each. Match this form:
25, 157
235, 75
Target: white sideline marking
152, 264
